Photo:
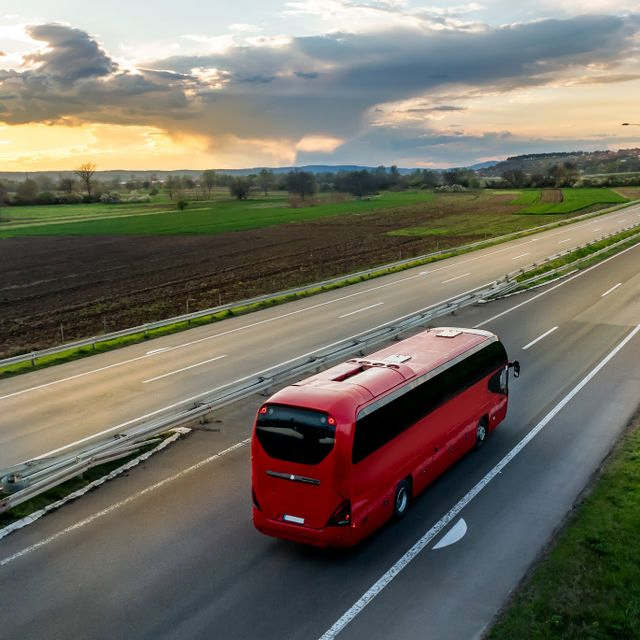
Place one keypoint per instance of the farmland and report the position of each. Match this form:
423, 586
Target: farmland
130, 264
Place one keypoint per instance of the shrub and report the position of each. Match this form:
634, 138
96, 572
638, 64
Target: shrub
110, 198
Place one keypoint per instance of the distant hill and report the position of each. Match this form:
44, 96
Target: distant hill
586, 162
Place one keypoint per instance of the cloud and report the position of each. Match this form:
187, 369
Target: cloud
70, 55
371, 93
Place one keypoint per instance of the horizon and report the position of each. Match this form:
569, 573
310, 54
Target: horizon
313, 83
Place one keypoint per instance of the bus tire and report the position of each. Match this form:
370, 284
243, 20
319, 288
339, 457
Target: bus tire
481, 434
401, 500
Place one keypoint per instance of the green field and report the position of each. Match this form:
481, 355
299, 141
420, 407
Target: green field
477, 214
588, 586
528, 197
199, 218
574, 200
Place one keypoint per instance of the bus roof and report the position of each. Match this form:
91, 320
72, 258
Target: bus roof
360, 380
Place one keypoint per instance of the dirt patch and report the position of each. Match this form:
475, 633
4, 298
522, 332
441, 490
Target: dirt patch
102, 284
551, 196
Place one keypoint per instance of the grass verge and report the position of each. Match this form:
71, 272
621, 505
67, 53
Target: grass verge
587, 586
582, 255
47, 501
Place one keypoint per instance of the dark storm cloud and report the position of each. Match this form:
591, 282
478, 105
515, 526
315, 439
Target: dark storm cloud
71, 54
72, 76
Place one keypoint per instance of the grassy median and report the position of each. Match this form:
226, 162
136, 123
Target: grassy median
588, 584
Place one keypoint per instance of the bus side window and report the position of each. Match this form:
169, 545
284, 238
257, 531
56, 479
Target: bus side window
499, 381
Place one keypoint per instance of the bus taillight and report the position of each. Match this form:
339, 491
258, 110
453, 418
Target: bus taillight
341, 516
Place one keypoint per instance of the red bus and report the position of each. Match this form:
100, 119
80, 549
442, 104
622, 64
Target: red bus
336, 455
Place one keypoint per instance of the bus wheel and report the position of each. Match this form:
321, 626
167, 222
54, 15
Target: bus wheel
401, 500
481, 433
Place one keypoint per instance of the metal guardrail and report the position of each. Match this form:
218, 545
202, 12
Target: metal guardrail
562, 270
27, 479
92, 341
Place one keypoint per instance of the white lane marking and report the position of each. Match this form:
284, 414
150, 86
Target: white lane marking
622, 220
256, 374
522, 255
387, 577
598, 229
464, 275
606, 293
122, 503
154, 351
371, 306
193, 366
544, 293
455, 534
563, 241
74, 377
544, 335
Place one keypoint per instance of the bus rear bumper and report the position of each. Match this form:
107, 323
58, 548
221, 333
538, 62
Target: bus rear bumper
327, 537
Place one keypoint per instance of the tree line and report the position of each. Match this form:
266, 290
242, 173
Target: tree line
83, 186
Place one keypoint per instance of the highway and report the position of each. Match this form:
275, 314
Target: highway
170, 552
49, 410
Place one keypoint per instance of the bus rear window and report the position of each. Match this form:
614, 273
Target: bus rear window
294, 434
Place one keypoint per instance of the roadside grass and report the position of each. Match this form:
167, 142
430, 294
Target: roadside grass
587, 585
582, 253
575, 200
211, 217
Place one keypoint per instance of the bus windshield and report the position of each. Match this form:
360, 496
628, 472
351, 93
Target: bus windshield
295, 435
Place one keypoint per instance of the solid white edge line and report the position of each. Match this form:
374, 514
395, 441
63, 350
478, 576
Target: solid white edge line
371, 306
122, 503
544, 335
387, 577
191, 366
606, 293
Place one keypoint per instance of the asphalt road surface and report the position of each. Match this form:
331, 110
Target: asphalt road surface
47, 410
170, 552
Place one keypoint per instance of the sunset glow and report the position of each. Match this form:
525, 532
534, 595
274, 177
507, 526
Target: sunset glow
306, 82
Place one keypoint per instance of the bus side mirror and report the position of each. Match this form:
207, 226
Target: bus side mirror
515, 365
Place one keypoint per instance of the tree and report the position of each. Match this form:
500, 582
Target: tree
4, 195
172, 185
300, 183
209, 180
265, 180
515, 177
358, 183
240, 187
27, 191
66, 184
85, 173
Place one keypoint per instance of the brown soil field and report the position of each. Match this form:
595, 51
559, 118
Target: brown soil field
92, 285
551, 195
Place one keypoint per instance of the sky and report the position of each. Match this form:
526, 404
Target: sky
266, 83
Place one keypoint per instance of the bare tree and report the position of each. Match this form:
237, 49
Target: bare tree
85, 173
